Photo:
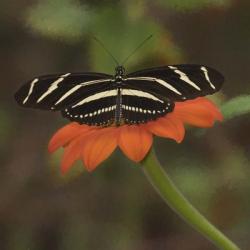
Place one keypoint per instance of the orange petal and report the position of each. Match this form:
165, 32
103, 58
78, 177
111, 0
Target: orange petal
98, 147
135, 141
169, 126
72, 152
200, 112
66, 134
206, 103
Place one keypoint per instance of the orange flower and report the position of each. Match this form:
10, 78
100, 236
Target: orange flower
95, 144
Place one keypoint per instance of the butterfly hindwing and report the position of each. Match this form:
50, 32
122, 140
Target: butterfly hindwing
178, 82
139, 106
60, 90
136, 110
97, 108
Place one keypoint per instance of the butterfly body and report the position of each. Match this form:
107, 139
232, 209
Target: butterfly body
102, 100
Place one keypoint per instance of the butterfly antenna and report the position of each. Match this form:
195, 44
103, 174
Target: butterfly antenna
108, 52
137, 48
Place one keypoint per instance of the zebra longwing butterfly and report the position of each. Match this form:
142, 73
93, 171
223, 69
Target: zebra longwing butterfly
101, 100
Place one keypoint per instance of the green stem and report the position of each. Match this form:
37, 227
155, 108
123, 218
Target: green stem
168, 191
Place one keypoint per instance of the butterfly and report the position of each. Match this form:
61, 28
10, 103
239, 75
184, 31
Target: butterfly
100, 99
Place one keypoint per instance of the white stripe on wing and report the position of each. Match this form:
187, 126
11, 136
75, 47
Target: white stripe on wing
160, 81
207, 77
78, 86
52, 87
30, 90
184, 77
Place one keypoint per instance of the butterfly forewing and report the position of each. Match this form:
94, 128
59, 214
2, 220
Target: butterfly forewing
178, 82
60, 90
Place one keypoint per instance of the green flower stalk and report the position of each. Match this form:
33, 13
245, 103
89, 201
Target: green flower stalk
172, 196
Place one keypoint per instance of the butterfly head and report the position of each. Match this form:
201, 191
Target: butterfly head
119, 71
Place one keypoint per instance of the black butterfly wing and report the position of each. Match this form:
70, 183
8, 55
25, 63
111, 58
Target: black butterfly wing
56, 92
91, 98
178, 82
97, 108
140, 106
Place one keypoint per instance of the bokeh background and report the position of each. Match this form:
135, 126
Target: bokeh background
115, 207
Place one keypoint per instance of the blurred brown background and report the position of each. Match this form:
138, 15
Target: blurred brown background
115, 207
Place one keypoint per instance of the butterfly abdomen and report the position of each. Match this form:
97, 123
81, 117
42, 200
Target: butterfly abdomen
118, 109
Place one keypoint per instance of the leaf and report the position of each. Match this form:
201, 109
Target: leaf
118, 29
121, 34
59, 19
237, 106
190, 5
